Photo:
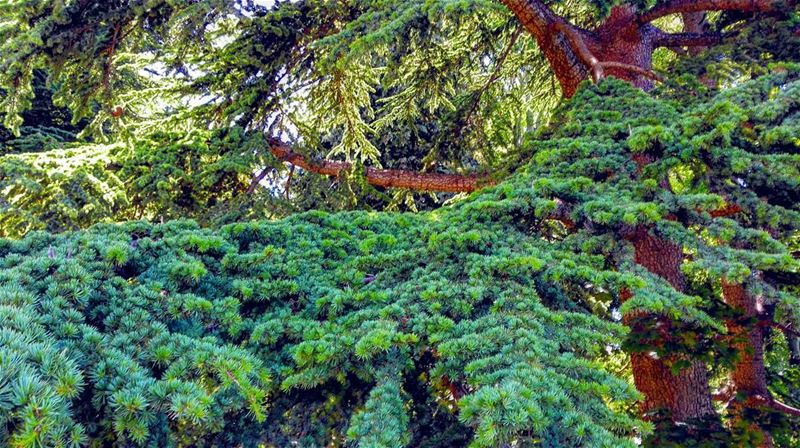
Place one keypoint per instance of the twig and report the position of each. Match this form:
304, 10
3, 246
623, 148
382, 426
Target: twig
288, 181
495, 74
632, 68
257, 180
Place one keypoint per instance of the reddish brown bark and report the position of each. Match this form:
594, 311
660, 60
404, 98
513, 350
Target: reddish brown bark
685, 395
748, 375
454, 183
623, 44
689, 6
542, 24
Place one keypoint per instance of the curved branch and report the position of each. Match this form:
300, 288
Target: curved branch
451, 183
777, 405
595, 65
685, 6
540, 21
633, 68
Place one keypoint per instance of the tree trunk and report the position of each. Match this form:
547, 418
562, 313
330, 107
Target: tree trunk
684, 396
621, 39
749, 376
623, 46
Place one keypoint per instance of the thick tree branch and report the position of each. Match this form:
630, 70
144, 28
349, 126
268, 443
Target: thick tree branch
579, 46
687, 39
452, 183
541, 23
688, 6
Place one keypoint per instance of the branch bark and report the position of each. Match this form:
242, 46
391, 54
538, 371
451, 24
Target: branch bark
451, 183
541, 23
597, 67
578, 44
687, 39
778, 406
633, 69
688, 6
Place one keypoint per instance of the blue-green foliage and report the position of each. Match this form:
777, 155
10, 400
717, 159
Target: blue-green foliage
490, 322
201, 327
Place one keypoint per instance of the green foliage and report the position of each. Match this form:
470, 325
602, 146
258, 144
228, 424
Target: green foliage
495, 321
396, 84
204, 175
416, 329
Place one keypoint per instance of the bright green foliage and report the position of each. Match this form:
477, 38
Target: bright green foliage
438, 85
203, 175
402, 84
488, 322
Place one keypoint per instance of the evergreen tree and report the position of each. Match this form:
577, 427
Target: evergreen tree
642, 254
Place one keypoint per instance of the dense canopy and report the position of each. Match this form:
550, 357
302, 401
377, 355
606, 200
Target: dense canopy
431, 223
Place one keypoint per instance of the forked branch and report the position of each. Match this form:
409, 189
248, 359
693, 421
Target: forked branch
597, 67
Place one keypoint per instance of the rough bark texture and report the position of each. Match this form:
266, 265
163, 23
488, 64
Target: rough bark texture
621, 46
685, 395
694, 22
541, 23
453, 183
624, 43
689, 6
621, 39
749, 376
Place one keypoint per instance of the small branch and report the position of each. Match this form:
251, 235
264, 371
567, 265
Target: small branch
495, 74
784, 328
452, 183
785, 408
777, 405
632, 68
257, 180
687, 6
108, 65
288, 182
